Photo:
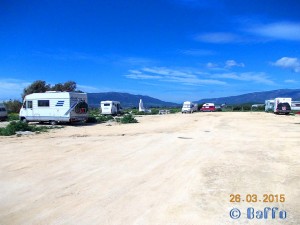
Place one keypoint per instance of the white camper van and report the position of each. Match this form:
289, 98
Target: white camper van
295, 105
3, 112
110, 107
282, 105
54, 106
269, 105
189, 107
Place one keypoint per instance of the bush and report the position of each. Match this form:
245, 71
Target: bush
136, 112
246, 107
128, 119
175, 110
104, 118
154, 111
14, 126
237, 108
96, 117
91, 119
13, 116
13, 106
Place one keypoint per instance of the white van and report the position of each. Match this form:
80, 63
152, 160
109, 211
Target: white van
54, 107
110, 107
189, 107
295, 105
269, 105
3, 112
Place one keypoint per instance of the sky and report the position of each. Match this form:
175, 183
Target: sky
174, 50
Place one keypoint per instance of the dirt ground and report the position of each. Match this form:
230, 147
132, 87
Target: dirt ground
165, 170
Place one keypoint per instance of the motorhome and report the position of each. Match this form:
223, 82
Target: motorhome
110, 107
54, 107
3, 112
189, 107
295, 105
208, 107
269, 105
282, 105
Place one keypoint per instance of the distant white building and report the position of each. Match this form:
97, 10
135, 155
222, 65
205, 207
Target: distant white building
141, 106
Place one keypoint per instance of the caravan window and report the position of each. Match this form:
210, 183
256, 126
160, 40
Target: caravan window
106, 104
43, 103
29, 104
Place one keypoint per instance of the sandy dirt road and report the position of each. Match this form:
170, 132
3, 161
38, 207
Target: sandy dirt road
165, 170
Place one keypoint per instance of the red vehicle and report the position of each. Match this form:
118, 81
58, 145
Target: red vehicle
208, 107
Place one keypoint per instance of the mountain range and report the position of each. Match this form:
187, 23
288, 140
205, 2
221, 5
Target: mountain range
130, 101
255, 97
127, 100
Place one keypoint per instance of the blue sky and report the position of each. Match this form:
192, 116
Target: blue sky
174, 50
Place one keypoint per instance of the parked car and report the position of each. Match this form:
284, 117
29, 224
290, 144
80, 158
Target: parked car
208, 107
3, 112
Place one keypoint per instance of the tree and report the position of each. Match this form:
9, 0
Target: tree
38, 86
13, 106
58, 87
69, 86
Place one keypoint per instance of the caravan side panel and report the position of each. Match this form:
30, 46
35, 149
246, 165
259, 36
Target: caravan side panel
57, 106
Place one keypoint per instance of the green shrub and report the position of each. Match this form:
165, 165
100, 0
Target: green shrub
154, 111
13, 116
104, 118
14, 126
175, 110
128, 119
91, 119
246, 107
237, 108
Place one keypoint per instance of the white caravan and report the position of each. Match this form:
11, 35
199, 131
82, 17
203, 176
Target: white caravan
269, 105
110, 107
3, 112
295, 105
282, 105
189, 107
54, 107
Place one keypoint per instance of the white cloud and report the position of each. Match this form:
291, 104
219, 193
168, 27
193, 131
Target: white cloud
280, 30
261, 78
290, 81
12, 88
163, 74
135, 61
288, 63
88, 89
232, 63
198, 52
142, 76
211, 65
217, 38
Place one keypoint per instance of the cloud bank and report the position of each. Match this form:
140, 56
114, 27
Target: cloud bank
288, 63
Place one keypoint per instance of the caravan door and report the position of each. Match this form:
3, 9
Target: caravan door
27, 112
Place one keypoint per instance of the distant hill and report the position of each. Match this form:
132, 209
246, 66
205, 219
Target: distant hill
255, 97
127, 100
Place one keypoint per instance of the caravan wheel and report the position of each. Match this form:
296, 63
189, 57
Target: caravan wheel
24, 120
53, 122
